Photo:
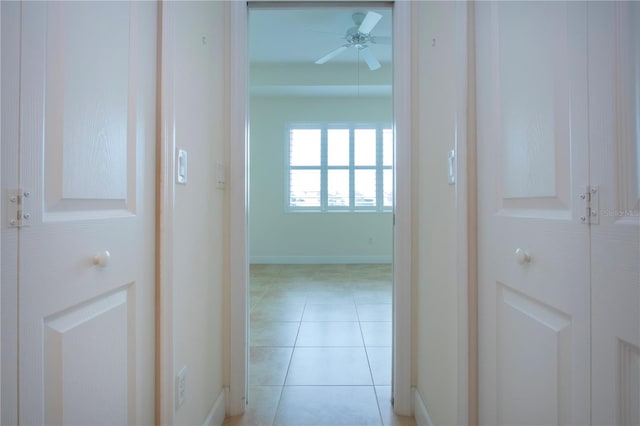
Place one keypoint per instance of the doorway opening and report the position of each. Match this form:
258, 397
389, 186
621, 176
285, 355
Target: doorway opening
321, 214
334, 184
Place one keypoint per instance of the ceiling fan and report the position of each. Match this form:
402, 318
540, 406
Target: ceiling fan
359, 36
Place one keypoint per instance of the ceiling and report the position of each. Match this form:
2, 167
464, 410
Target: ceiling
304, 35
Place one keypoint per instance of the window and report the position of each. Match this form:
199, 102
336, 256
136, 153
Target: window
340, 168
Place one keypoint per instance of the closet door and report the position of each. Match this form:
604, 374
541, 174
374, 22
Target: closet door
614, 133
533, 248
86, 246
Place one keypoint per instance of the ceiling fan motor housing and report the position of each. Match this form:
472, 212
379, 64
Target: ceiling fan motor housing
357, 38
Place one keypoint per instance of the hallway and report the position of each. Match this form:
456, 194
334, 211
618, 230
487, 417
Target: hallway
320, 346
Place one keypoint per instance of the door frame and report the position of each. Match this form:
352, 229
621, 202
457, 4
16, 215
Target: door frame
402, 235
9, 178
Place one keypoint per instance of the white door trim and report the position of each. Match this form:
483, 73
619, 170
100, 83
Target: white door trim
164, 219
238, 207
238, 217
465, 211
10, 179
402, 231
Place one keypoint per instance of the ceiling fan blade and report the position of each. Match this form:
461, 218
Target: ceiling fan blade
331, 54
369, 22
368, 57
380, 40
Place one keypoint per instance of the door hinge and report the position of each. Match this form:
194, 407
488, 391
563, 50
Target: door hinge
19, 208
591, 199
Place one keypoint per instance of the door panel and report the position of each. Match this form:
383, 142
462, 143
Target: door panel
532, 166
70, 347
614, 123
534, 107
89, 100
543, 367
87, 162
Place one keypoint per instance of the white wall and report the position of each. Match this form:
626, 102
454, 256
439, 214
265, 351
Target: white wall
439, 106
286, 237
198, 216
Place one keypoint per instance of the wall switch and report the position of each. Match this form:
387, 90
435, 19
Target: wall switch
221, 175
181, 386
452, 167
181, 169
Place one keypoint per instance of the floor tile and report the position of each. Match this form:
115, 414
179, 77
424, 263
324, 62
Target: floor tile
389, 418
329, 334
375, 312
330, 297
273, 333
328, 312
383, 273
372, 296
267, 311
329, 366
380, 363
327, 381
376, 333
268, 365
286, 296
328, 406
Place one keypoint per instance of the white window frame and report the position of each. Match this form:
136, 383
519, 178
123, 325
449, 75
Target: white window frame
324, 168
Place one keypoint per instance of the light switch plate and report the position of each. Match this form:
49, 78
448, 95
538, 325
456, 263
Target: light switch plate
181, 169
452, 167
221, 171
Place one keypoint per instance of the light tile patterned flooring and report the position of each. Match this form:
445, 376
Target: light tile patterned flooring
320, 346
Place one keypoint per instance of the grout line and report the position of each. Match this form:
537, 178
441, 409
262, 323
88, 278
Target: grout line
286, 376
373, 383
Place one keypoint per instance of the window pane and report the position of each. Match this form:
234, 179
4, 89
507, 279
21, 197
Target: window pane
365, 188
365, 147
387, 187
304, 147
338, 147
304, 188
387, 147
338, 187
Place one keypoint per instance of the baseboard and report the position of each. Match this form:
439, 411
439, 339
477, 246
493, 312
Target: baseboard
318, 260
420, 410
217, 413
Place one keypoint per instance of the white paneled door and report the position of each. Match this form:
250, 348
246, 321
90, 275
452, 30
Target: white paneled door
558, 120
533, 249
86, 261
614, 123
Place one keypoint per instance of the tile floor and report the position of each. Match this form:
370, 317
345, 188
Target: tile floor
320, 346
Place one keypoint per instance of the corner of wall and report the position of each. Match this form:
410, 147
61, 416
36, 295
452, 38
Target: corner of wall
217, 413
420, 409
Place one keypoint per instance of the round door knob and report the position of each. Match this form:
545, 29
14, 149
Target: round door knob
522, 256
102, 259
